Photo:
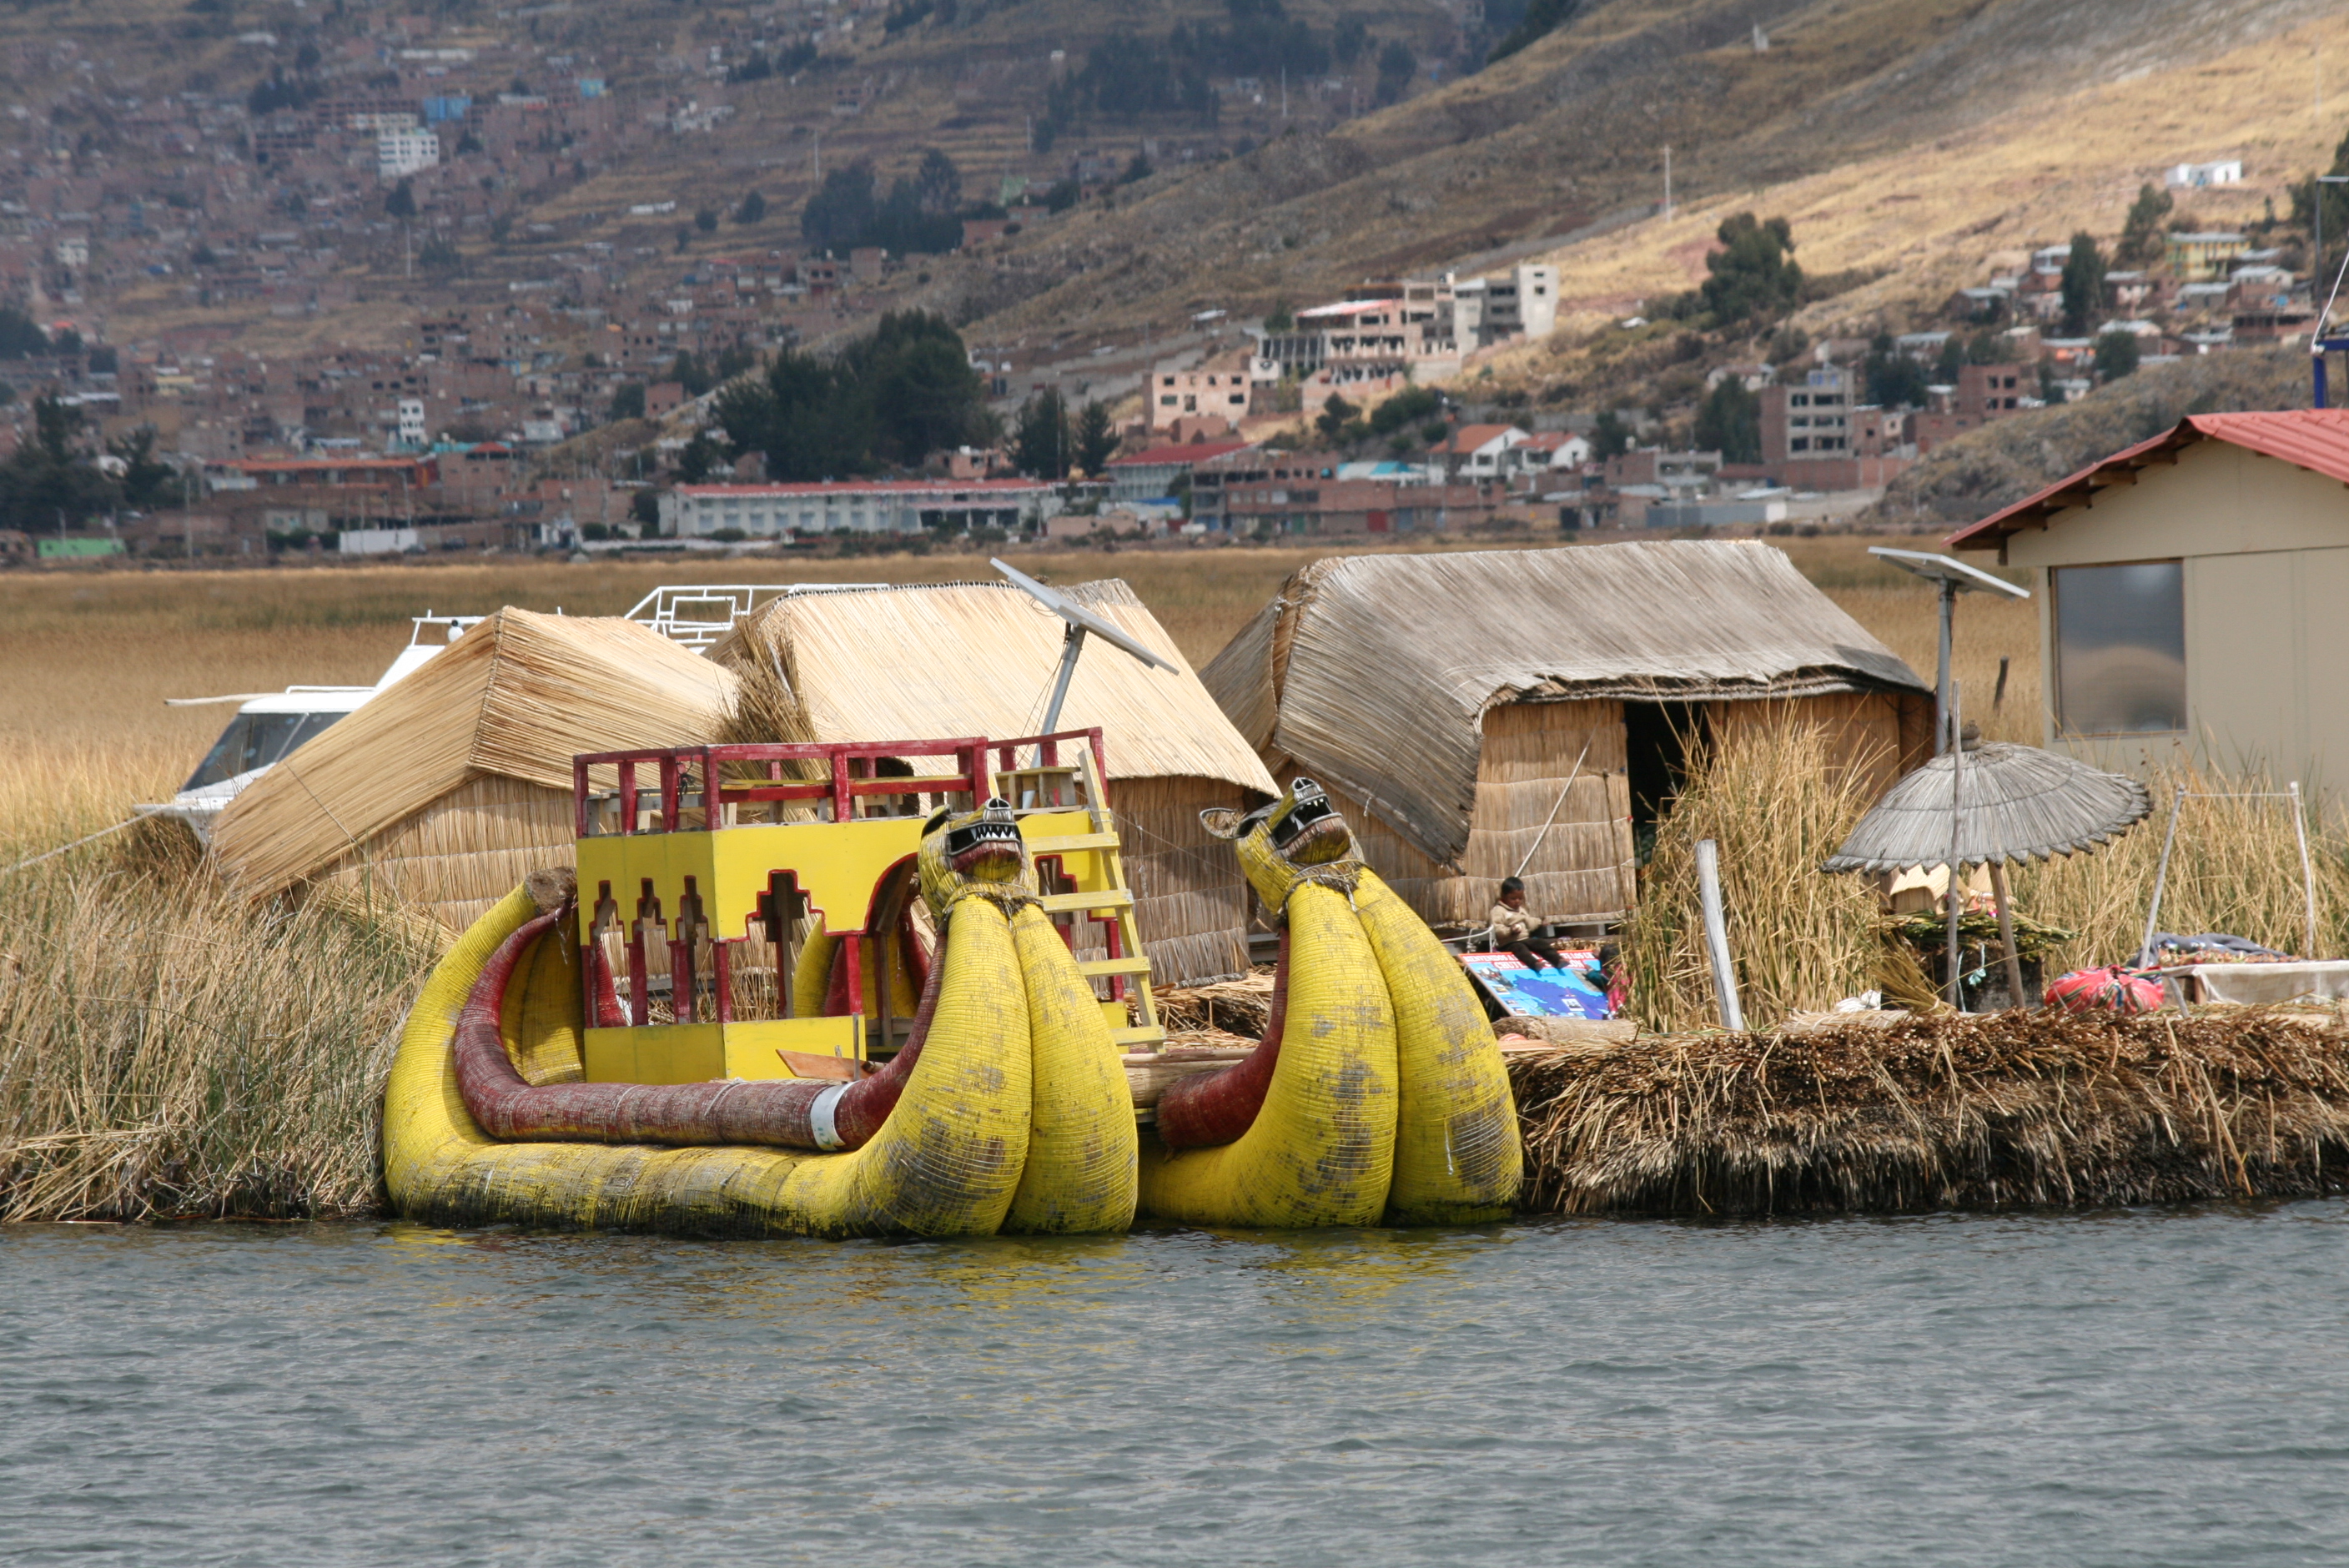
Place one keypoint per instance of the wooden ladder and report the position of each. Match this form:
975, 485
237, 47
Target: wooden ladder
1127, 965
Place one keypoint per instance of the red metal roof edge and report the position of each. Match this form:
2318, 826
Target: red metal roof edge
2283, 433
2002, 524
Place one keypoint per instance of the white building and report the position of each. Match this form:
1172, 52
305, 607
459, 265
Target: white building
1519, 303
411, 423
2194, 176
400, 153
855, 506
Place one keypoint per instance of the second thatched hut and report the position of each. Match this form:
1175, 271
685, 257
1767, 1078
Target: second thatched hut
447, 790
978, 658
1472, 709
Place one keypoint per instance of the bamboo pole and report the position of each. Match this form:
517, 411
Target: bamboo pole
2006, 932
1957, 874
1716, 935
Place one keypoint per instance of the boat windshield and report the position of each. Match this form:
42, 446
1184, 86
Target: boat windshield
255, 740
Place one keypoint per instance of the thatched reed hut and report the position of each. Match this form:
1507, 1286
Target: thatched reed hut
444, 792
1471, 709
978, 658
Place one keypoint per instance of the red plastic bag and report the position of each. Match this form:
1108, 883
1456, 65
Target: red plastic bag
2114, 989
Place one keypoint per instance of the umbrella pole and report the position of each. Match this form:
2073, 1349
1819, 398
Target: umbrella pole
2006, 934
1957, 873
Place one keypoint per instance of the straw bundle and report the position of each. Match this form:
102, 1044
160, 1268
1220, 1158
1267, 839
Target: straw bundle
1778, 806
1954, 1111
514, 699
1240, 1007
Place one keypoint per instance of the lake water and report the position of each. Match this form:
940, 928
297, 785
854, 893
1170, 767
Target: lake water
2122, 1388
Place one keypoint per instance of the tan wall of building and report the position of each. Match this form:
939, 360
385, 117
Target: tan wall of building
2265, 552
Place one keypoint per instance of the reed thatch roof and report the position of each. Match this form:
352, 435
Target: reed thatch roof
2012, 803
1374, 672
978, 658
515, 698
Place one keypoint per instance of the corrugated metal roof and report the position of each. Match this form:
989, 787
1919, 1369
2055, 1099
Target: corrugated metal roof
2316, 439
1373, 671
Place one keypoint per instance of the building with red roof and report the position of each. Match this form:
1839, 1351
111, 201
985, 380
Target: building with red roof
2190, 593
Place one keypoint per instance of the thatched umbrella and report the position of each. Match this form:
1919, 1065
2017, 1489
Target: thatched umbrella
1986, 804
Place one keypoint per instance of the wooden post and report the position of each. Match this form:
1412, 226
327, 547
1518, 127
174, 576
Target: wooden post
1716, 935
2006, 934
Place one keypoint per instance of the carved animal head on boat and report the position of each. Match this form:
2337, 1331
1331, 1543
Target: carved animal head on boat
975, 854
1296, 839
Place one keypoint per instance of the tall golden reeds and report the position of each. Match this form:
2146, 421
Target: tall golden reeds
1774, 800
167, 1049
2235, 867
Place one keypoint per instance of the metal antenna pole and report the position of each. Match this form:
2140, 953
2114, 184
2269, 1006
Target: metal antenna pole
2307, 874
1942, 738
2161, 876
1071, 644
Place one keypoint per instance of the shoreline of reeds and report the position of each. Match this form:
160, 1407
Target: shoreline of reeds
1949, 1112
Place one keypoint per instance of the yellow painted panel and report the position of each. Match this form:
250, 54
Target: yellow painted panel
657, 1053
750, 1046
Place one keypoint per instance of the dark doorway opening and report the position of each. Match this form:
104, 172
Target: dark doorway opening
1660, 740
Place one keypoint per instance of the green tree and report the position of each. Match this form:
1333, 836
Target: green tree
1040, 441
401, 203
2117, 356
893, 397
1408, 406
2142, 241
1280, 317
841, 213
1729, 421
148, 482
700, 456
1752, 277
440, 255
1893, 379
627, 402
1336, 419
1542, 18
705, 220
1096, 439
50, 484
938, 183
1610, 436
1349, 39
1397, 66
690, 374
753, 210
2083, 285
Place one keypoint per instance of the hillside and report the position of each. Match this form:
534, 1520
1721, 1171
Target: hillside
1910, 141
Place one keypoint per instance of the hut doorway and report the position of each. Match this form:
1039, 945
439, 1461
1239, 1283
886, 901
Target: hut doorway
1660, 740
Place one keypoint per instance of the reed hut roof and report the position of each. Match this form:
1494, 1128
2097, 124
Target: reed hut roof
1374, 672
517, 697
978, 658
2012, 803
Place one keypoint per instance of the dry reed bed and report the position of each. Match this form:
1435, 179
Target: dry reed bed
166, 1049
1983, 1111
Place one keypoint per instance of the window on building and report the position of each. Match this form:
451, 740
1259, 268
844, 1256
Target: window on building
2120, 648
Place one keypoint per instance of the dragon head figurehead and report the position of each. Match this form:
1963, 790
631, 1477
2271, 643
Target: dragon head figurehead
975, 854
1296, 839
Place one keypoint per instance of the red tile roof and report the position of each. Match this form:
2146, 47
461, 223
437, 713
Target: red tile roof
2316, 439
1196, 452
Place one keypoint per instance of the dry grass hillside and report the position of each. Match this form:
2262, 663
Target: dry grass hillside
1914, 137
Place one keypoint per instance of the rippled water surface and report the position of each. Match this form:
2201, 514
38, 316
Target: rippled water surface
2125, 1388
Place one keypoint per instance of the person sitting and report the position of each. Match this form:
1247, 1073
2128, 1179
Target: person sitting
1515, 929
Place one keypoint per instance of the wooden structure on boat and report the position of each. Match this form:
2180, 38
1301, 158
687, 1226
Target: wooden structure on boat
444, 790
931, 660
1464, 710
752, 911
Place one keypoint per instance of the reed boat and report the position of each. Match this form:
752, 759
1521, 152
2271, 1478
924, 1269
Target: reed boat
894, 988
